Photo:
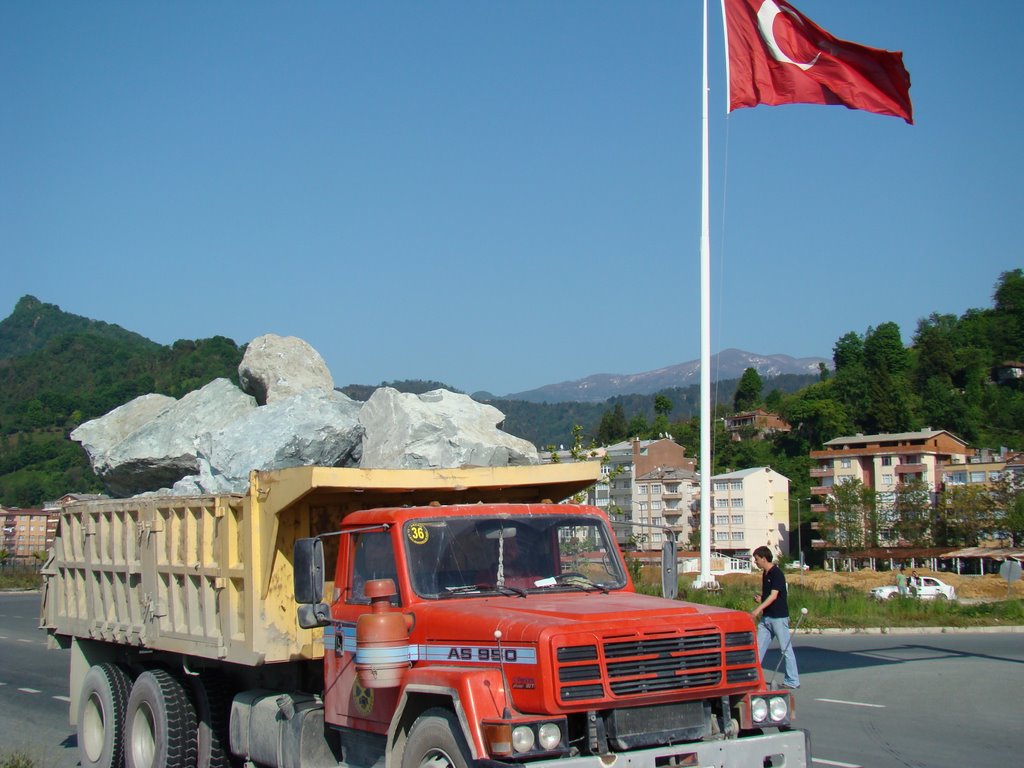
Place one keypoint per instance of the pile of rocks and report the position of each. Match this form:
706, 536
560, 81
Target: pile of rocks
286, 414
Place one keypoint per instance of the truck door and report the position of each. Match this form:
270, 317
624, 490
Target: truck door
362, 558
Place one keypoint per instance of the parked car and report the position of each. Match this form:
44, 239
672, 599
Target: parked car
927, 588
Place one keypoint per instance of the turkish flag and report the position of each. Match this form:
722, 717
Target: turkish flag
776, 55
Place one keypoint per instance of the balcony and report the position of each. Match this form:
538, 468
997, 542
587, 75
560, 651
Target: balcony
821, 490
819, 508
911, 469
823, 472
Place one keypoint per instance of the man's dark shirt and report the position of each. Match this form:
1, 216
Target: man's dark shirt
771, 579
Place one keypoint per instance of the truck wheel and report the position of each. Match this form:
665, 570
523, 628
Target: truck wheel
161, 730
435, 741
213, 713
101, 717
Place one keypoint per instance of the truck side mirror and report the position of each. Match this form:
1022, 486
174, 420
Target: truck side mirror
669, 568
317, 615
308, 563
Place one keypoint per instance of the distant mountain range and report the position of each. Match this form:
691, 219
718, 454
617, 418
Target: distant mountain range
728, 364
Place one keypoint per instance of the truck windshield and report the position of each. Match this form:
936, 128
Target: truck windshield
467, 556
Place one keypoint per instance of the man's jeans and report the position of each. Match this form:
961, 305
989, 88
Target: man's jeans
779, 629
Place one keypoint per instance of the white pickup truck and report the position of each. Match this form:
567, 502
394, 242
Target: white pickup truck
924, 587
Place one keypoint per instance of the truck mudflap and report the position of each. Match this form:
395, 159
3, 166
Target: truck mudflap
785, 749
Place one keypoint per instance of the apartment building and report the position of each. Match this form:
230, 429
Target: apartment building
664, 498
750, 508
882, 462
26, 532
625, 462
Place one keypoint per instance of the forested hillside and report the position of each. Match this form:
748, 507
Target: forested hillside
58, 370
71, 370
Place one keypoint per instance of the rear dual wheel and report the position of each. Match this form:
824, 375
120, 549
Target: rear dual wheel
161, 723
101, 716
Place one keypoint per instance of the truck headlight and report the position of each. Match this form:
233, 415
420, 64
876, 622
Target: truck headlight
522, 738
778, 708
550, 736
758, 710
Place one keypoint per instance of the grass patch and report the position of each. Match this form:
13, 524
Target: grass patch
17, 760
843, 607
19, 578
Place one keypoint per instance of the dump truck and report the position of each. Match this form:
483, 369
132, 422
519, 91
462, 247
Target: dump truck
364, 618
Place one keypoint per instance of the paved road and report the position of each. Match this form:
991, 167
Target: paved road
878, 701
910, 700
33, 687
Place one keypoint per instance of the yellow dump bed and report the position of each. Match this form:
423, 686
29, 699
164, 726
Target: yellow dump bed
211, 576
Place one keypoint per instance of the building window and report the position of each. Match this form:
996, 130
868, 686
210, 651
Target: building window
641, 489
886, 479
721, 503
655, 488
844, 463
721, 519
737, 519
737, 535
737, 503
641, 506
721, 536
736, 485
656, 521
887, 461
977, 477
655, 505
720, 486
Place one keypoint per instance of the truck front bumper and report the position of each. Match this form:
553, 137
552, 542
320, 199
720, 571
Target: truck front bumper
788, 749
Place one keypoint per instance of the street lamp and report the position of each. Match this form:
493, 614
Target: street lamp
799, 541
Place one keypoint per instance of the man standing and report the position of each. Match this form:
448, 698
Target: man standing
901, 582
772, 614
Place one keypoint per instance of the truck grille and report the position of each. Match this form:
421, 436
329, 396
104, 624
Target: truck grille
617, 666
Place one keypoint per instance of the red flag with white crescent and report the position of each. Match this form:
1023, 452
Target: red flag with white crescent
776, 55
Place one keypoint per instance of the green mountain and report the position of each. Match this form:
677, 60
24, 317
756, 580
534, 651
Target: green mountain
33, 324
60, 370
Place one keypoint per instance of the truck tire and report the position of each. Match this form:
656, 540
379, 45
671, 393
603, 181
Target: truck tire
435, 741
210, 692
101, 716
161, 723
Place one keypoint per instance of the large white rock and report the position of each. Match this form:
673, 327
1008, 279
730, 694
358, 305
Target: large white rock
277, 367
312, 428
100, 435
438, 429
162, 450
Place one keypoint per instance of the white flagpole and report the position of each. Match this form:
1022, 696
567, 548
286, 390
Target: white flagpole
705, 338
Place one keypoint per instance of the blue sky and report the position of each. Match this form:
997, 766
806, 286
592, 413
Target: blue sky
496, 195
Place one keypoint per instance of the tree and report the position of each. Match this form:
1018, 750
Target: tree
963, 514
662, 409
912, 512
613, 426
1008, 343
850, 520
883, 347
748, 392
848, 351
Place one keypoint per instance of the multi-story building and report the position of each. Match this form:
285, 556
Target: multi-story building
27, 532
750, 508
882, 462
626, 461
663, 499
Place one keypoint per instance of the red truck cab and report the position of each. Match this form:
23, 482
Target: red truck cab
516, 629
